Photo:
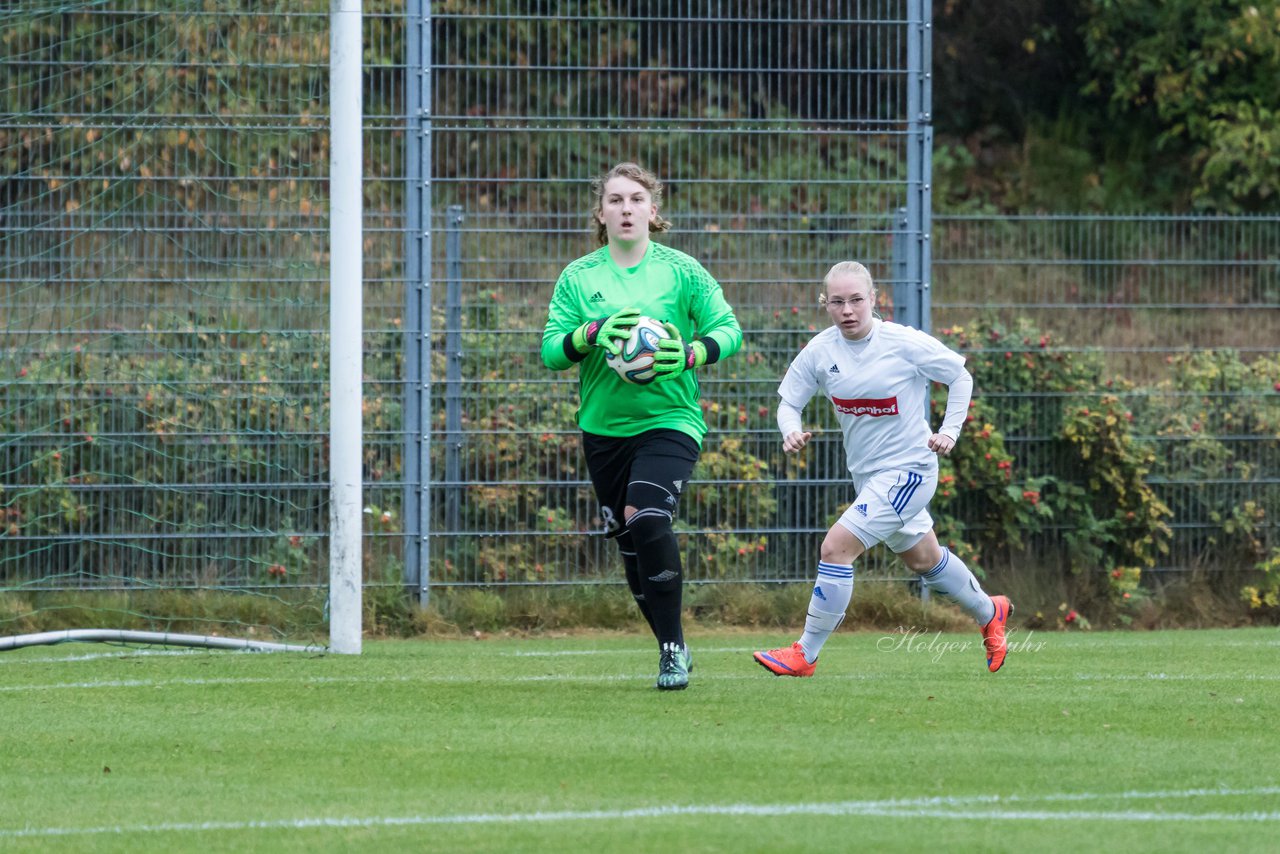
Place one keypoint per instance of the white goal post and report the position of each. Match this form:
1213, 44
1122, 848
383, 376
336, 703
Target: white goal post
346, 255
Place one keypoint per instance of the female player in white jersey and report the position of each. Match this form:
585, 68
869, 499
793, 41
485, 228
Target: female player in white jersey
877, 376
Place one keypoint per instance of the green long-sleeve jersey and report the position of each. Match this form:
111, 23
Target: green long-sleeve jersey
667, 285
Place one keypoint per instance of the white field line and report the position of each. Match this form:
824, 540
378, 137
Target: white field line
989, 808
1050, 639
571, 653
1055, 639
127, 653
473, 678
1059, 641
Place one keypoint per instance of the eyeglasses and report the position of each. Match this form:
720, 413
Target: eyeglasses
839, 304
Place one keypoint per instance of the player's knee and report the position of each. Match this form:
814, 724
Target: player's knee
649, 525
649, 512
922, 557
840, 547
829, 553
917, 564
655, 539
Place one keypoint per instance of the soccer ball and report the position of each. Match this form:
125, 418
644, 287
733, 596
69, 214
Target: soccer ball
635, 361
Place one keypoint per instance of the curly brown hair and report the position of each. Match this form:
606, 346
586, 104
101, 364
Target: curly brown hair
641, 176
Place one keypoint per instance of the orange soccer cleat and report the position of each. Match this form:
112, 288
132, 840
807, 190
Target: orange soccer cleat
786, 661
993, 633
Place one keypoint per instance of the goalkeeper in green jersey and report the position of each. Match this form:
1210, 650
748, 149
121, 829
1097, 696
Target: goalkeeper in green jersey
641, 442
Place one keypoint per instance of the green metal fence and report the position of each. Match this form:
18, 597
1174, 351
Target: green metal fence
163, 286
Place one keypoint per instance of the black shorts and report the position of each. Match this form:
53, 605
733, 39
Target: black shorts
664, 458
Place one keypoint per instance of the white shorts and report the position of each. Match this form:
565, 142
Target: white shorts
892, 508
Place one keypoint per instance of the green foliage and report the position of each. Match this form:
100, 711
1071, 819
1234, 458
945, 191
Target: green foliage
1265, 594
1096, 83
147, 466
137, 81
1083, 484
1067, 163
1241, 159
1206, 73
734, 489
128, 86
1118, 105
955, 189
1050, 461
1218, 421
1124, 518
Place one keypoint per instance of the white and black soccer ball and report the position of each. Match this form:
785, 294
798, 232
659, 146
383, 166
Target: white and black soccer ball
634, 363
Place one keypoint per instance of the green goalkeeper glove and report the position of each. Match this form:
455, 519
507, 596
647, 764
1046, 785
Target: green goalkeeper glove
674, 357
606, 332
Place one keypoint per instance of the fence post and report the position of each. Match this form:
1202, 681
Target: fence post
905, 304
416, 459
919, 155
917, 248
453, 369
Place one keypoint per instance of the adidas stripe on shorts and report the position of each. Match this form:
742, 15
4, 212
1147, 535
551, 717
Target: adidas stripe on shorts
892, 508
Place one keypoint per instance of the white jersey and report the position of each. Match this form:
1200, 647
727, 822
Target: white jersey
880, 391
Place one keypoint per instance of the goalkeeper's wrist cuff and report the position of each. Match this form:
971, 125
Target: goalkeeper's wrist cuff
582, 338
710, 350
695, 355
575, 344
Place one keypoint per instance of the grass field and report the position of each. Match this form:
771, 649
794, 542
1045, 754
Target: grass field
1162, 741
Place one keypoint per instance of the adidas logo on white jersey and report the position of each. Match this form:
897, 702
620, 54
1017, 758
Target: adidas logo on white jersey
834, 369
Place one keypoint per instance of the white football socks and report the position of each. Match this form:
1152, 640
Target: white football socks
953, 579
831, 594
